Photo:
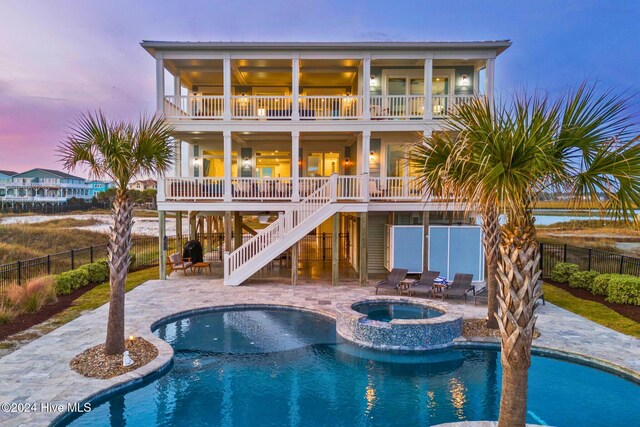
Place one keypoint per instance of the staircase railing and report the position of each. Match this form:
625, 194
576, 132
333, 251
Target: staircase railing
278, 229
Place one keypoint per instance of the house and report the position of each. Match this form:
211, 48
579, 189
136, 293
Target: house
99, 187
145, 184
43, 187
316, 135
5, 177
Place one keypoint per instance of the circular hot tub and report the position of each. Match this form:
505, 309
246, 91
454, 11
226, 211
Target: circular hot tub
397, 323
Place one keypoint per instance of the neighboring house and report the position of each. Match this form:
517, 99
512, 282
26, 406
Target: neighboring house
5, 178
316, 135
145, 184
99, 187
40, 187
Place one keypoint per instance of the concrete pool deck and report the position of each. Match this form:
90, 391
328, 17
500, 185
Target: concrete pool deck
39, 372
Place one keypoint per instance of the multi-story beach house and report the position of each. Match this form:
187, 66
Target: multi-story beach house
98, 187
144, 184
5, 178
43, 187
313, 138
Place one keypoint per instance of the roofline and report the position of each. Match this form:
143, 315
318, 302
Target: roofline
152, 46
52, 172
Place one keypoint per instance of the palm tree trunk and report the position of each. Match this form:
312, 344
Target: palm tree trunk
119, 259
491, 241
518, 273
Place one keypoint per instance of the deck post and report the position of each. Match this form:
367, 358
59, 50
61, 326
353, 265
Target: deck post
179, 231
295, 90
192, 225
294, 264
428, 89
226, 136
335, 249
295, 168
425, 243
162, 249
362, 252
489, 76
227, 231
237, 230
366, 89
226, 86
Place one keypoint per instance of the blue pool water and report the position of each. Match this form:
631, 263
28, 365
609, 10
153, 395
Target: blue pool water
385, 312
287, 368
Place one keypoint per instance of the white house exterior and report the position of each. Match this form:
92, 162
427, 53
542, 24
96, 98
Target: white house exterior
313, 132
43, 187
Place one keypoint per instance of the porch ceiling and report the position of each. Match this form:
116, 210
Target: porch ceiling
256, 138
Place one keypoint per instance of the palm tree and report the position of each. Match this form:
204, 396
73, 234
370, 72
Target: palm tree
581, 144
445, 175
120, 151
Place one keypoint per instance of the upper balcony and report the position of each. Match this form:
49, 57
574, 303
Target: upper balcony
320, 82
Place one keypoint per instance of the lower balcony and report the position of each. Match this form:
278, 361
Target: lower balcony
358, 188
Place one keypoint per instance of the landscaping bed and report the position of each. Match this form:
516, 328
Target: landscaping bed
94, 363
25, 321
627, 310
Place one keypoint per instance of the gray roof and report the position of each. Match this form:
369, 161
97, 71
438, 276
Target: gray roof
40, 172
9, 173
151, 46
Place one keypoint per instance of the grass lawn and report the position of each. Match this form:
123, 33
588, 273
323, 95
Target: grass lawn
99, 296
591, 310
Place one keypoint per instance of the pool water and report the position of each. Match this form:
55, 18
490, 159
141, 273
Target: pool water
385, 312
271, 367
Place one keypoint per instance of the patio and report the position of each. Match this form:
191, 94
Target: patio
39, 372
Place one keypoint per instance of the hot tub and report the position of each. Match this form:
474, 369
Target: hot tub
397, 323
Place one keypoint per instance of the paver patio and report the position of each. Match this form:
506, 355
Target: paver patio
39, 372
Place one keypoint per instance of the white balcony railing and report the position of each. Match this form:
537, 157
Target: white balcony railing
443, 105
397, 107
261, 107
330, 107
348, 188
381, 107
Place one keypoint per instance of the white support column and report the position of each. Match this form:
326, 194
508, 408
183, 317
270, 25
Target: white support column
490, 74
428, 89
162, 234
476, 80
366, 150
366, 89
177, 91
226, 79
159, 82
295, 169
227, 165
295, 88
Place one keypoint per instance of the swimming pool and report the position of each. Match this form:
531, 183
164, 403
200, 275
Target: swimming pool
274, 367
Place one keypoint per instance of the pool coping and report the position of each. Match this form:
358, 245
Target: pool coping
163, 362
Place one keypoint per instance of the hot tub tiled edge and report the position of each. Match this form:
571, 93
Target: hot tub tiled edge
405, 335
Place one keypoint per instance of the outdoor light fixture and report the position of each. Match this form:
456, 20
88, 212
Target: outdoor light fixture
372, 155
347, 161
372, 78
246, 163
464, 80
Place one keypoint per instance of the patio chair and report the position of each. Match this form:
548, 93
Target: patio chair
176, 262
396, 276
424, 283
460, 286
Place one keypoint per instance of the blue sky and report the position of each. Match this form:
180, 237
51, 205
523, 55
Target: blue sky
62, 57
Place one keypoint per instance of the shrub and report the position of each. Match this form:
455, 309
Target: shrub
7, 314
583, 279
69, 281
562, 271
98, 272
33, 295
624, 289
601, 283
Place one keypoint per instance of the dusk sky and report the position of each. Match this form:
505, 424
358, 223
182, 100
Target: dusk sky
61, 57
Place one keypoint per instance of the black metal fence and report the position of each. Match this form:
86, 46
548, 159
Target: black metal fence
587, 259
145, 254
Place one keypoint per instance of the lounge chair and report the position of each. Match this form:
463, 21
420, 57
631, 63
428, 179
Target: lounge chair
176, 262
460, 286
424, 283
396, 276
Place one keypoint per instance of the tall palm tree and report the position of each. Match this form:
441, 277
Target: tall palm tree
444, 173
121, 151
581, 144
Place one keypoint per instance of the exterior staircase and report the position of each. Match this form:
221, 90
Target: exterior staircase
281, 234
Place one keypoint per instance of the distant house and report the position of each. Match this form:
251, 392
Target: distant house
42, 187
145, 184
99, 187
5, 178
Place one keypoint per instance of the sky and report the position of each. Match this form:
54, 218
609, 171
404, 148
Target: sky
59, 58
